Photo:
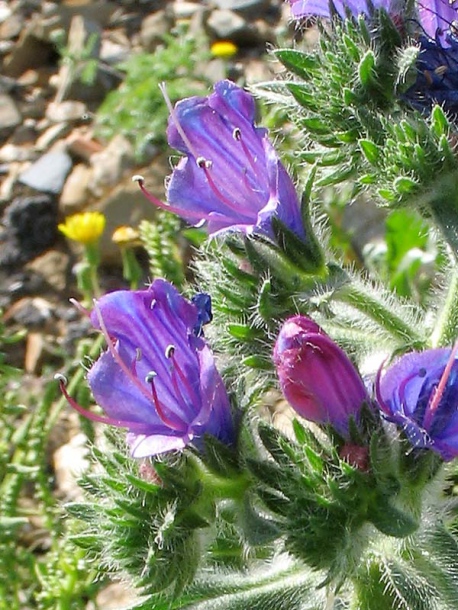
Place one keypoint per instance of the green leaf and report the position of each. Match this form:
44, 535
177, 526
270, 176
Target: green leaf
301, 64
370, 150
390, 520
366, 68
404, 185
280, 584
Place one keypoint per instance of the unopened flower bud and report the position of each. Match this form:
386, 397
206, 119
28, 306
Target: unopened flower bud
316, 376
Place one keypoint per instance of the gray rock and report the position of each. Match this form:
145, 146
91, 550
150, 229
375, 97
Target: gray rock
154, 28
48, 173
10, 117
227, 25
69, 110
249, 7
30, 227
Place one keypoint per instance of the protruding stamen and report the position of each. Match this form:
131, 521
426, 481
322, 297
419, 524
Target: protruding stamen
440, 70
138, 178
439, 391
80, 307
133, 426
170, 208
203, 162
237, 134
169, 351
176, 122
150, 377
176, 423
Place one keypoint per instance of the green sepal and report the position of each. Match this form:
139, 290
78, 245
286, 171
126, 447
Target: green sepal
391, 520
266, 256
366, 69
305, 254
370, 150
299, 63
439, 122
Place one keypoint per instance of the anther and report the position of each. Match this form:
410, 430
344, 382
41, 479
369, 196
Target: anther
149, 378
138, 178
203, 163
169, 351
153, 303
61, 378
237, 134
138, 354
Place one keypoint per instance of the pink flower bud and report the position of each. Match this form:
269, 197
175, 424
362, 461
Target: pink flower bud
316, 376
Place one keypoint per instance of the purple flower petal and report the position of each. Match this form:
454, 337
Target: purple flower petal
409, 397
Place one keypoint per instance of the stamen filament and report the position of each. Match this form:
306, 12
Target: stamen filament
165, 206
218, 193
239, 138
117, 358
176, 424
439, 392
119, 423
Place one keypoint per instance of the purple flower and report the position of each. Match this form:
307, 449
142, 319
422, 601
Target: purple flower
420, 394
230, 177
321, 8
437, 76
437, 18
316, 376
157, 378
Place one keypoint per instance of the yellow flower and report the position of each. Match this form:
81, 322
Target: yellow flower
126, 236
85, 228
224, 49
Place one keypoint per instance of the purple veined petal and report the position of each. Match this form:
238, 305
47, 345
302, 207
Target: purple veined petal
142, 446
419, 392
436, 16
231, 177
321, 8
157, 378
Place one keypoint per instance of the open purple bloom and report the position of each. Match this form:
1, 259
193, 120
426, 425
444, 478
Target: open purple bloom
419, 393
230, 177
157, 378
437, 76
437, 19
321, 8
316, 376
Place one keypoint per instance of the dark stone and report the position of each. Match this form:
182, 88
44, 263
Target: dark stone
30, 228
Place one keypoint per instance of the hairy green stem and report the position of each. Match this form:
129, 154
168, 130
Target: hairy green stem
377, 311
446, 329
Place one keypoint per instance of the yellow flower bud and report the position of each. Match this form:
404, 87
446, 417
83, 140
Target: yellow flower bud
126, 236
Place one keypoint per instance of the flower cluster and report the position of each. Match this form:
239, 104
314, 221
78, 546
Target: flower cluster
436, 80
419, 392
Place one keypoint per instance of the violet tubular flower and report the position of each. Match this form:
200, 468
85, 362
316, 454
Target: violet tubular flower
316, 376
437, 65
419, 393
322, 8
157, 378
231, 177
